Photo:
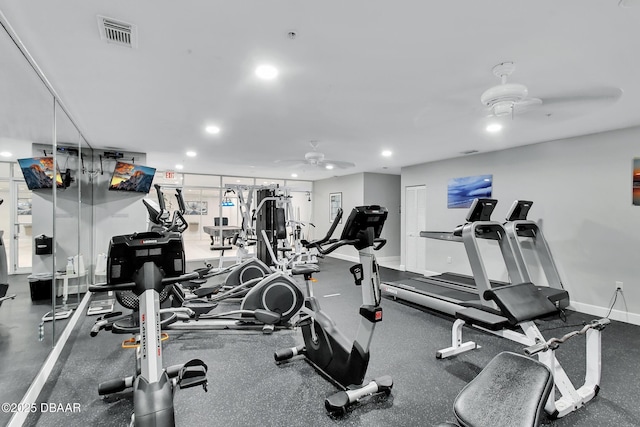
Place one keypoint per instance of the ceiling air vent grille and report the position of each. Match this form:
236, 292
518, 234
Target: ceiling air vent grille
117, 32
467, 152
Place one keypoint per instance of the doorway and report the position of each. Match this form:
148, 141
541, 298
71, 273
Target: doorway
20, 238
415, 222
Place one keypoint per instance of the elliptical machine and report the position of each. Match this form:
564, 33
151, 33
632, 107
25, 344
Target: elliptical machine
344, 362
145, 263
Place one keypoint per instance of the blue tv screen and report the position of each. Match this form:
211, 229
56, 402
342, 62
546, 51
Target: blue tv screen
130, 177
38, 173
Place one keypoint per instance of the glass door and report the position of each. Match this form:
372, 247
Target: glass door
21, 238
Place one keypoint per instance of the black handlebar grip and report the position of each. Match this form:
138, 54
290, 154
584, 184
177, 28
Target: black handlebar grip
160, 197
105, 287
283, 354
97, 327
112, 386
380, 244
180, 200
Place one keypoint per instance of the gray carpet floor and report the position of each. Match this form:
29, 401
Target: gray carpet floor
246, 387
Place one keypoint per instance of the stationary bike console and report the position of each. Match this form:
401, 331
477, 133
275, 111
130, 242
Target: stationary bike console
127, 254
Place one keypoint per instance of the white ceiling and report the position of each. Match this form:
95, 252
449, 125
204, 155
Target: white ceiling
361, 76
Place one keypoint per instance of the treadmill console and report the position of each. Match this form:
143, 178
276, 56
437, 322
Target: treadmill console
481, 210
362, 218
519, 210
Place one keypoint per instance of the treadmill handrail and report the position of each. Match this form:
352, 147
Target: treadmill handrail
441, 235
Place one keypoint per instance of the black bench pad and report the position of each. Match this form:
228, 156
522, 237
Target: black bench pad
521, 302
473, 316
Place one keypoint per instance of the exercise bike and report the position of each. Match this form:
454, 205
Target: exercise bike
342, 361
146, 263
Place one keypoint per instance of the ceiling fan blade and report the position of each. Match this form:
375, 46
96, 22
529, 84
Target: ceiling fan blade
288, 161
338, 164
292, 163
602, 95
575, 104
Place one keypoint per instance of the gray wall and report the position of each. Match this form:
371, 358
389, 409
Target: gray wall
357, 190
581, 189
384, 190
352, 189
116, 212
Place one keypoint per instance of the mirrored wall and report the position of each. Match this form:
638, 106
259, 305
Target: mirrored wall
45, 219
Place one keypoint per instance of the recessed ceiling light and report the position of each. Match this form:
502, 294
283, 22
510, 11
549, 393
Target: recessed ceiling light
191, 153
5, 154
329, 167
179, 167
212, 129
294, 175
494, 127
387, 153
267, 72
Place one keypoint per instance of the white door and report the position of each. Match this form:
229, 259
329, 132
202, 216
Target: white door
415, 222
20, 239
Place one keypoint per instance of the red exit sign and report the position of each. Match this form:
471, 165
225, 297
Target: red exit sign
169, 174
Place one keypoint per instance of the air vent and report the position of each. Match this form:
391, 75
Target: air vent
117, 32
469, 152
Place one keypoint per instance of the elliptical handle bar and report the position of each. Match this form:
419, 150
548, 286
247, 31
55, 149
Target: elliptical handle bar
325, 239
160, 198
333, 247
128, 286
553, 343
181, 206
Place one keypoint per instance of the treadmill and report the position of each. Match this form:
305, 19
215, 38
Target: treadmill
449, 292
520, 230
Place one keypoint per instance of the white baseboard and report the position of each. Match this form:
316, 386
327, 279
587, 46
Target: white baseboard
349, 258
388, 261
622, 316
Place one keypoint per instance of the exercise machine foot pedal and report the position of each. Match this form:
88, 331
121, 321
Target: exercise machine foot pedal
192, 374
337, 402
385, 384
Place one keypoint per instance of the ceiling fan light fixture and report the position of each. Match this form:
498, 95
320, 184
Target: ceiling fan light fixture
266, 72
502, 108
513, 92
494, 127
212, 129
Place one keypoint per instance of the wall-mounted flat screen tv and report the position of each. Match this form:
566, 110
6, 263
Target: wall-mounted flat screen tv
130, 177
38, 173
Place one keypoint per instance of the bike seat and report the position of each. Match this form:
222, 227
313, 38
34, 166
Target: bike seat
305, 269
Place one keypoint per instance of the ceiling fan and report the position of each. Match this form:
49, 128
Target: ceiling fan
315, 158
510, 99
